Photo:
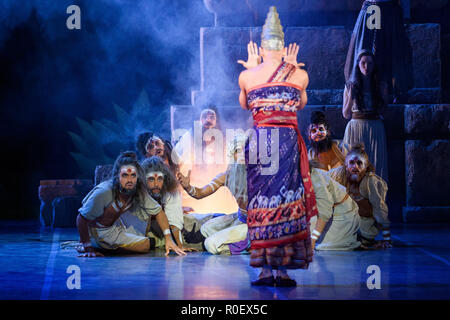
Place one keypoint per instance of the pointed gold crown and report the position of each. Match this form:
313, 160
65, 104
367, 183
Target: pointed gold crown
272, 36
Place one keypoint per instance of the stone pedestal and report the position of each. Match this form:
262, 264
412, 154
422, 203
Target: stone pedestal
60, 201
427, 154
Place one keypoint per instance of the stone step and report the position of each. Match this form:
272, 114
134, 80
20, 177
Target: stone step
322, 49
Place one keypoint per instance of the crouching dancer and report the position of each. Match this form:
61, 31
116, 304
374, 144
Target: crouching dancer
369, 191
337, 224
99, 222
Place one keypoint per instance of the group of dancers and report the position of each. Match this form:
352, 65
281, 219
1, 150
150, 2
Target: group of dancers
331, 196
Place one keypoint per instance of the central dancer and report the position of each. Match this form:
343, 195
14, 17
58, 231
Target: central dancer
281, 198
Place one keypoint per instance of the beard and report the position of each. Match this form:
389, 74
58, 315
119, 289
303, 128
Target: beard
156, 195
127, 192
355, 177
322, 145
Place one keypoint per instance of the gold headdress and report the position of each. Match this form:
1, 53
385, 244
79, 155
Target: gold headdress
272, 36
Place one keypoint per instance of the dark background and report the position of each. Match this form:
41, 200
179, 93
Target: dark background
50, 75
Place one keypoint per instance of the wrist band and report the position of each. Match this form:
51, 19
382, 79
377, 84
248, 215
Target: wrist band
314, 237
166, 232
316, 233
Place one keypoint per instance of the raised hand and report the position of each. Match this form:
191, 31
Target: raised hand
253, 56
291, 55
184, 181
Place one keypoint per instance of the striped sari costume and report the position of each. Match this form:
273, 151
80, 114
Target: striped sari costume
280, 204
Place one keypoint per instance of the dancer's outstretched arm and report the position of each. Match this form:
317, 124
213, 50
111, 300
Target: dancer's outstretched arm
200, 193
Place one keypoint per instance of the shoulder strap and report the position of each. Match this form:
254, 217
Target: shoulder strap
282, 73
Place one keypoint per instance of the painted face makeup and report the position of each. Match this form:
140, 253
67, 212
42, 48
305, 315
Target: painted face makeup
128, 177
356, 166
317, 132
155, 181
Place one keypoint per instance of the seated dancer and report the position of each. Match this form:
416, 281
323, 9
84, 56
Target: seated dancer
281, 198
336, 226
327, 152
162, 185
149, 145
99, 221
226, 234
369, 192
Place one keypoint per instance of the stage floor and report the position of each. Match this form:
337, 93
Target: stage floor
33, 266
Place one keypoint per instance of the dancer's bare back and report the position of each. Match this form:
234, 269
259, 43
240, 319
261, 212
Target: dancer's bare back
261, 73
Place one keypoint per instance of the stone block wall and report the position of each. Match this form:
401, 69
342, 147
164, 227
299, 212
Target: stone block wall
323, 50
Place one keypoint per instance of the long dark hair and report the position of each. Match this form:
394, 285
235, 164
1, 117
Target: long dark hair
141, 142
156, 164
171, 156
356, 85
129, 158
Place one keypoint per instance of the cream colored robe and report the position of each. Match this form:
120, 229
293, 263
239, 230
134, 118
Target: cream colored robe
373, 188
342, 217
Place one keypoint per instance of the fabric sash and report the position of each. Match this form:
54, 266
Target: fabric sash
289, 119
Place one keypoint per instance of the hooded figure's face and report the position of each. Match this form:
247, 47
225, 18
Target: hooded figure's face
366, 65
356, 166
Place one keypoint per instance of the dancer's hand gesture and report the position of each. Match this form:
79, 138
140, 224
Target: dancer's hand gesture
184, 181
170, 245
291, 55
253, 56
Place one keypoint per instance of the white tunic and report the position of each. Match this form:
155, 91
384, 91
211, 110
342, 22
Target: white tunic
341, 216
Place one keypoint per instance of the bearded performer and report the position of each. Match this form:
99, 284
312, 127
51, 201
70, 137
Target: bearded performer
99, 223
325, 151
281, 199
162, 186
226, 234
369, 192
